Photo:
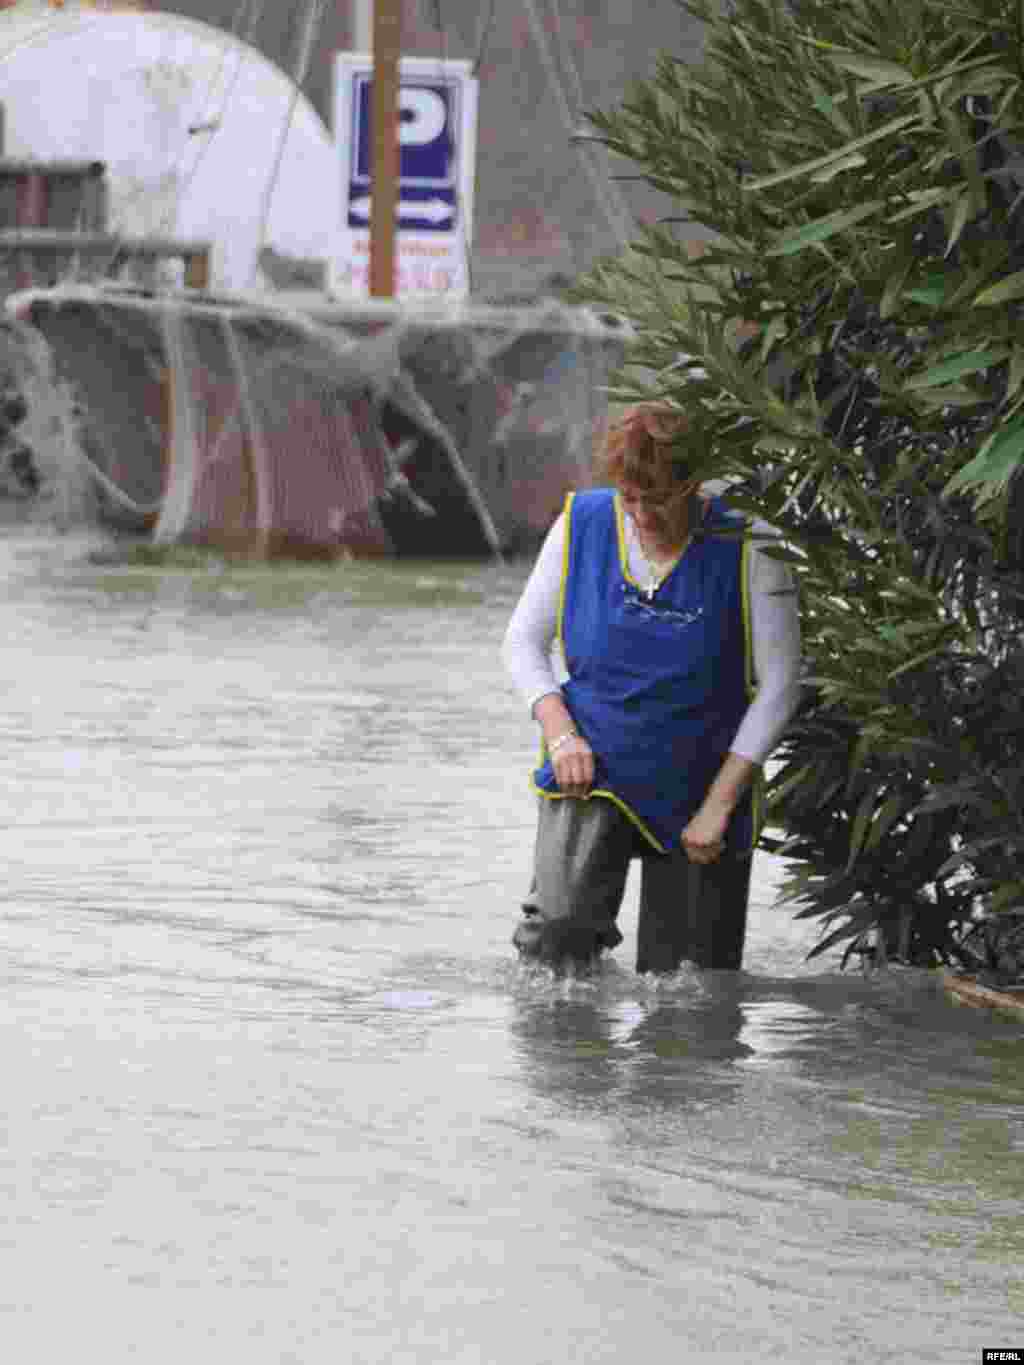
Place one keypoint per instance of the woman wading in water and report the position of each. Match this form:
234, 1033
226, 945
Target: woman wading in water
681, 641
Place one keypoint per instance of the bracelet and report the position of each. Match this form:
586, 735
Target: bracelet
556, 744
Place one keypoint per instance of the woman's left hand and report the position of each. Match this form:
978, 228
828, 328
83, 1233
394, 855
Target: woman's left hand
703, 839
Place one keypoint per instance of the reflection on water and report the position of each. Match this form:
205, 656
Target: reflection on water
276, 1089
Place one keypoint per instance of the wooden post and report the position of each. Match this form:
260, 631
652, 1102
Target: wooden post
32, 211
197, 270
33, 200
95, 203
387, 47
362, 26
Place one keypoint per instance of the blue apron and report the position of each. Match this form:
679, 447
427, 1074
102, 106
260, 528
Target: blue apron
658, 687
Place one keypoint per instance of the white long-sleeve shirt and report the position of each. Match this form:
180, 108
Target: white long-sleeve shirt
775, 631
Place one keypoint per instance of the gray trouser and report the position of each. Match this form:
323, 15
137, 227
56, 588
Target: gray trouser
688, 911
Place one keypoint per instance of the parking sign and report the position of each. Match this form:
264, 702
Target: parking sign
437, 137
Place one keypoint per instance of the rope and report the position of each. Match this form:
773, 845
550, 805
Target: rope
74, 451
256, 13
141, 193
467, 259
184, 444
314, 21
566, 55
484, 36
260, 461
607, 196
256, 7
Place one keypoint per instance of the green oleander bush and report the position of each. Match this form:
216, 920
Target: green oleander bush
848, 337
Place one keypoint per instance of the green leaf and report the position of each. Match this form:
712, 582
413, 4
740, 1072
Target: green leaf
892, 809
893, 288
775, 330
960, 216
933, 291
792, 781
784, 556
968, 362
823, 228
916, 661
1016, 375
969, 853
853, 929
874, 69
951, 396
847, 163
805, 168
1012, 287
996, 461
967, 156
1009, 895
829, 106
860, 755
920, 200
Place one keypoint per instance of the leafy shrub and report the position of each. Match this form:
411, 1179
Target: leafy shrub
848, 337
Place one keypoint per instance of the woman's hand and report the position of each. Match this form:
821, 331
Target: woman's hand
572, 758
703, 839
573, 765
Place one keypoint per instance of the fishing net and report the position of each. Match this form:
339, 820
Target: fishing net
39, 468
319, 428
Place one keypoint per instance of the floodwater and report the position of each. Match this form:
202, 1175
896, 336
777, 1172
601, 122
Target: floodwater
276, 1090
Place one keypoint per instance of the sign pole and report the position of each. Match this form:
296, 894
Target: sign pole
362, 25
384, 189
407, 206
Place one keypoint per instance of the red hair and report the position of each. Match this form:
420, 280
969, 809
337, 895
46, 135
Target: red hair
642, 449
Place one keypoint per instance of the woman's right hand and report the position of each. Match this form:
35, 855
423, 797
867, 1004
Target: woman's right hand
573, 758
573, 766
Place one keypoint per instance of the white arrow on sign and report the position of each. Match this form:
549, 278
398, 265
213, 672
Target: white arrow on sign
434, 210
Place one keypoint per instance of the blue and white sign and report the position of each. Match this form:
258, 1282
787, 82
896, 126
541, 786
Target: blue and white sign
437, 143
428, 155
